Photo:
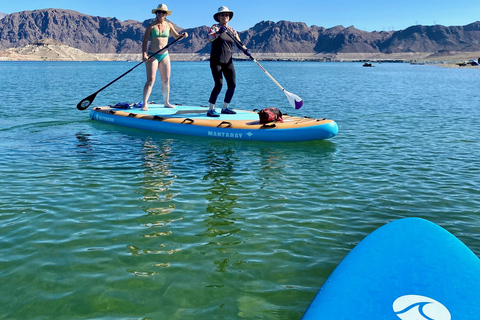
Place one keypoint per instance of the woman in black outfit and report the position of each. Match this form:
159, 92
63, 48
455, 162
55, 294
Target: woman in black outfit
221, 61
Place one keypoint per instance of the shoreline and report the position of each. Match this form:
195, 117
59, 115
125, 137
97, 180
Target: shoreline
65, 53
52, 50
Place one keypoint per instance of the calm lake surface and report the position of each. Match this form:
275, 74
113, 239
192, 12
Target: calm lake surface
104, 222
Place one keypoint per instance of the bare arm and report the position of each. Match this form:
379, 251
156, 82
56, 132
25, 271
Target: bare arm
146, 38
175, 34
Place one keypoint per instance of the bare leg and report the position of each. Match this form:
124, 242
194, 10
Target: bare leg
151, 66
165, 70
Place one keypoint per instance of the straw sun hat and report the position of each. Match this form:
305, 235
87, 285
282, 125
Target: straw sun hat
162, 7
222, 9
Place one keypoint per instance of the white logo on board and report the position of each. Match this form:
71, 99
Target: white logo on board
413, 307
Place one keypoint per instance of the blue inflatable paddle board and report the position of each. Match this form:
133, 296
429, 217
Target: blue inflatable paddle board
193, 120
409, 269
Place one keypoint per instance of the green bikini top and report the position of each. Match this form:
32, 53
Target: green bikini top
157, 34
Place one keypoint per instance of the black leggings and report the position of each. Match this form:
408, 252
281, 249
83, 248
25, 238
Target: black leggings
228, 71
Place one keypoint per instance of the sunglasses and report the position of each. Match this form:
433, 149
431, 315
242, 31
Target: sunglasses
161, 12
224, 14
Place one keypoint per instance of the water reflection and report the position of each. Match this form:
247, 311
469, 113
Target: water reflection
221, 219
158, 178
84, 142
197, 194
154, 186
220, 164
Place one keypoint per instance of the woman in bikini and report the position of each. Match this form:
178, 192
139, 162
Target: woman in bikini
158, 32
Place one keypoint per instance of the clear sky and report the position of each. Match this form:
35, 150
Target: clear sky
368, 15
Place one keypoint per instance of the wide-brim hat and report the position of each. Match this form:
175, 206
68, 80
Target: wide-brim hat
222, 9
162, 7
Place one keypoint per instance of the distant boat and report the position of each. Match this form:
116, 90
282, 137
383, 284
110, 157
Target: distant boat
472, 62
368, 64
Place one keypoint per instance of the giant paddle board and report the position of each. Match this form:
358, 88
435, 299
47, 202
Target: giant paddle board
409, 269
193, 120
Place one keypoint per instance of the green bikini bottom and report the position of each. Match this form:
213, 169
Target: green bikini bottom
159, 57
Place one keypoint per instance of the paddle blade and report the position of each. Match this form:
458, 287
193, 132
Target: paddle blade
294, 100
85, 103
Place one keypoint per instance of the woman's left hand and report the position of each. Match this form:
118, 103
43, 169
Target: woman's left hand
185, 34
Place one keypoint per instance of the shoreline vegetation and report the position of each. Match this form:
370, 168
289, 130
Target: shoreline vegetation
45, 51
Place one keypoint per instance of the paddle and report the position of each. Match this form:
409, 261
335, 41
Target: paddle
294, 100
85, 103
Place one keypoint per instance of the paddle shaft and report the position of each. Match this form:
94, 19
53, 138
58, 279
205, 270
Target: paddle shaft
164, 48
294, 100
244, 49
82, 106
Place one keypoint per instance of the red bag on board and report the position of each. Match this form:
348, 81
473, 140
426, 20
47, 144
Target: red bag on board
267, 115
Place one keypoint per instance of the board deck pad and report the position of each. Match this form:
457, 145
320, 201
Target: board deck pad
197, 112
409, 269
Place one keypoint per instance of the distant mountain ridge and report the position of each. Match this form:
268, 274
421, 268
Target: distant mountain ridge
93, 34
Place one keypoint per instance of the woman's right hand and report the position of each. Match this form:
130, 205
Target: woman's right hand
222, 29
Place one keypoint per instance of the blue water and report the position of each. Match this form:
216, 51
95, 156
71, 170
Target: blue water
104, 222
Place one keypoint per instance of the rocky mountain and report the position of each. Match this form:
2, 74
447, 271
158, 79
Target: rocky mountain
434, 39
2, 15
93, 34
283, 36
87, 33
350, 40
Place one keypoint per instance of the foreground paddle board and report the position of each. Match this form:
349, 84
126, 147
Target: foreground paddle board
409, 269
191, 120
